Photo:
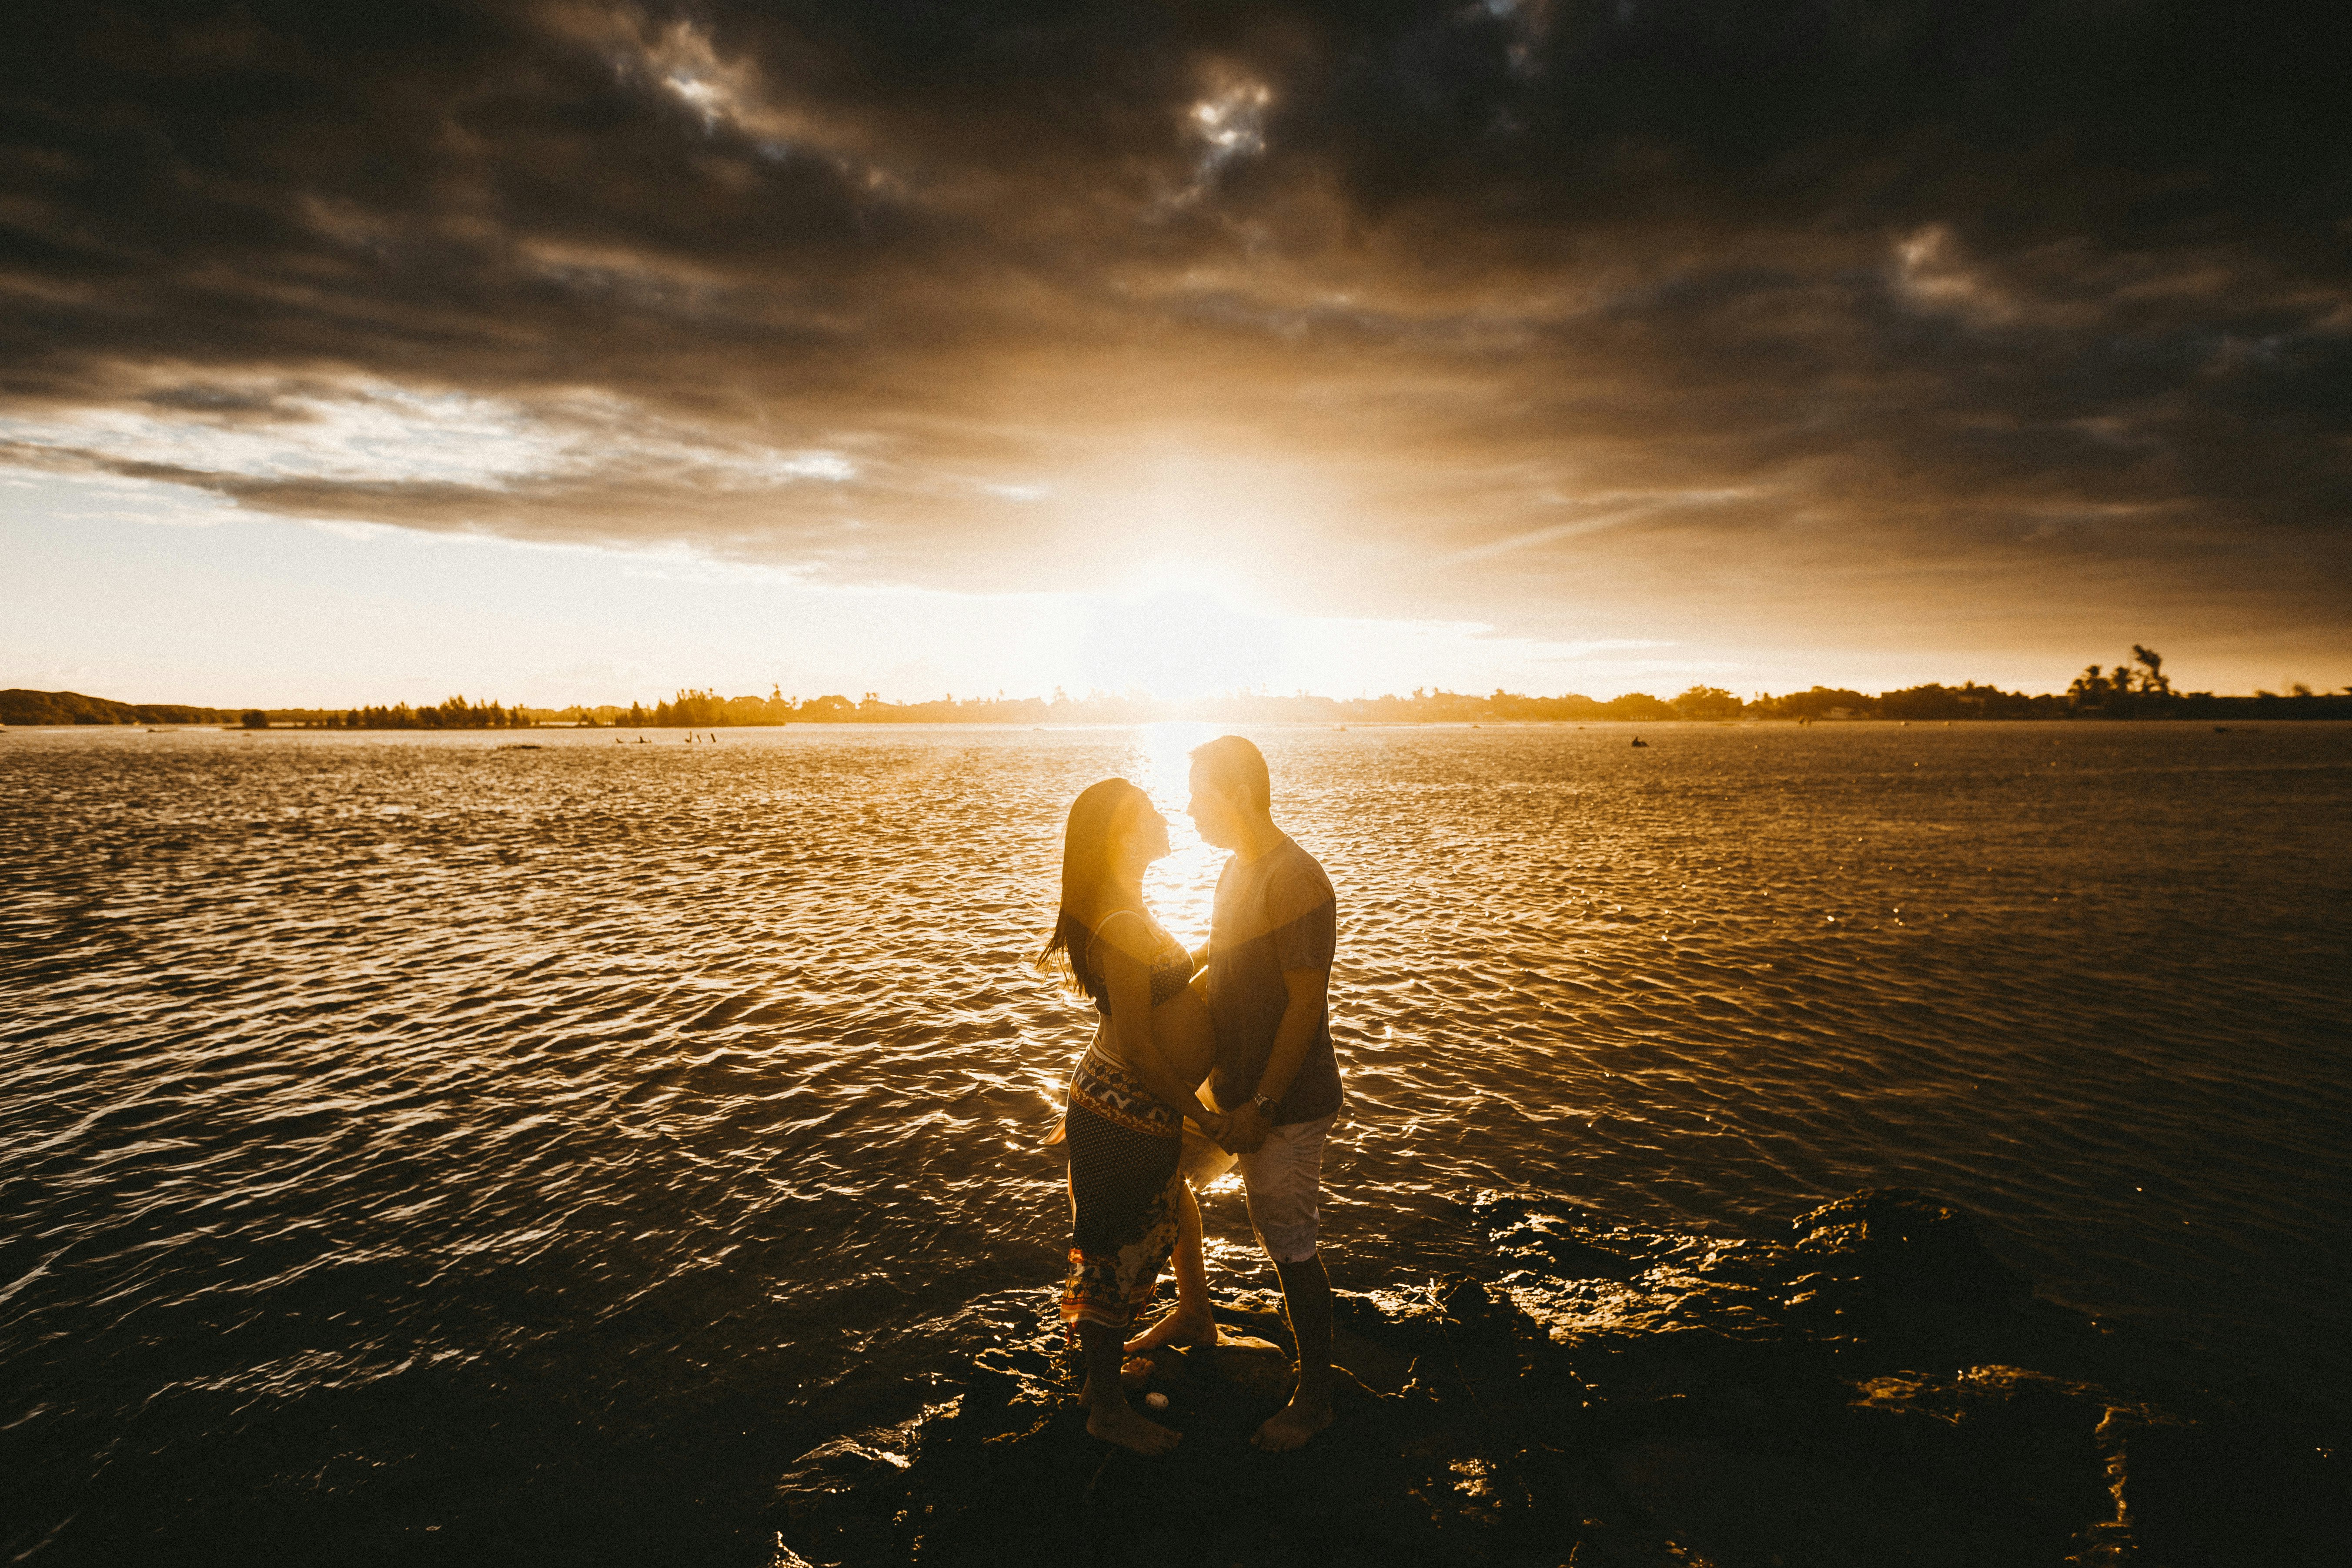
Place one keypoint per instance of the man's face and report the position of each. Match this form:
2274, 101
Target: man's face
1213, 815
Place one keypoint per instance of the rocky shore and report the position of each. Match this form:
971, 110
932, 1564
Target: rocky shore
1878, 1389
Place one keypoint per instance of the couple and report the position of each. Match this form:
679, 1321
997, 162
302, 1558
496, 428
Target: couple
1246, 1017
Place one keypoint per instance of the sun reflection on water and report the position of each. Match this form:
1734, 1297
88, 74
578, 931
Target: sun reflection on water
766, 1056
1182, 887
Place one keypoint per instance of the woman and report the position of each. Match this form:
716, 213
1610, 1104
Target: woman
1131, 1093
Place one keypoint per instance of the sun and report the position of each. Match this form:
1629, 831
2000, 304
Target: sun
1173, 571
1177, 633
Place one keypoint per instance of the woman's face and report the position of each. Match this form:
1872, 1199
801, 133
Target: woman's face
1140, 836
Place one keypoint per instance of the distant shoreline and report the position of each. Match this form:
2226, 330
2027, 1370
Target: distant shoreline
2093, 698
2248, 724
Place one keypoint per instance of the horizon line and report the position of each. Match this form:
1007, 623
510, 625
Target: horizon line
2127, 692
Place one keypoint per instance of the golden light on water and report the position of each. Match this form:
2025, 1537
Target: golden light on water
1182, 886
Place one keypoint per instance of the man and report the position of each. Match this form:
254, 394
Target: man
1268, 967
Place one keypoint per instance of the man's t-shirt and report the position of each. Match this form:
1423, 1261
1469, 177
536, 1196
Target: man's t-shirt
1276, 913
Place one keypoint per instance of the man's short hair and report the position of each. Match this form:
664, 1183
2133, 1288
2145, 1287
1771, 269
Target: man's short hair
1234, 768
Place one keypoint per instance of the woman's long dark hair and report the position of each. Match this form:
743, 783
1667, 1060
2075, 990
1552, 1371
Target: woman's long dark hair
1086, 867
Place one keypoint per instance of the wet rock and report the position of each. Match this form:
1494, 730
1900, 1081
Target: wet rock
1265, 1373
833, 1503
1905, 1242
1878, 1389
1379, 1368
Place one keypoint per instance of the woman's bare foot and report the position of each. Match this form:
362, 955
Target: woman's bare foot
1119, 1424
1292, 1426
1178, 1328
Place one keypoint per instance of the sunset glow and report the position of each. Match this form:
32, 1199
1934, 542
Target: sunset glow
613, 609
1238, 351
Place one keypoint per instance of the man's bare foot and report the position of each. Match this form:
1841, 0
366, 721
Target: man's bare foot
1178, 1328
1290, 1427
1139, 1433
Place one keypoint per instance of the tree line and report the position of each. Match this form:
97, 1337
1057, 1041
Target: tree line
449, 714
19, 706
2136, 688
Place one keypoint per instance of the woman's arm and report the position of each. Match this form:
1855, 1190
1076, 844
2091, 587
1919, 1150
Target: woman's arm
1126, 975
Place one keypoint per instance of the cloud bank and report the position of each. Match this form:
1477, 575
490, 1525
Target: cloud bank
1456, 310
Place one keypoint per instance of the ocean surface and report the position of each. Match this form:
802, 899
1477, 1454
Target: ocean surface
418, 1147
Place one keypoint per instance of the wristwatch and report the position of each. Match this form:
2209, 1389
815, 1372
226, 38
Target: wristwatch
1265, 1105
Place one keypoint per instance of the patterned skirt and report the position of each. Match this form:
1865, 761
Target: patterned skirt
1124, 1194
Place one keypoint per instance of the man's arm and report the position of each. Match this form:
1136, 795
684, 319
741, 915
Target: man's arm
1301, 1017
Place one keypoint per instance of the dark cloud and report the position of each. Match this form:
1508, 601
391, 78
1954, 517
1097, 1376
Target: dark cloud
1536, 294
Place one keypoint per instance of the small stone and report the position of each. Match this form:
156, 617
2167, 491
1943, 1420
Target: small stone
1155, 1401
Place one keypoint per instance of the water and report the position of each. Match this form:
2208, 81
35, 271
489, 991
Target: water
413, 1146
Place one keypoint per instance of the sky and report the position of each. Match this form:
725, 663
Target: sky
559, 351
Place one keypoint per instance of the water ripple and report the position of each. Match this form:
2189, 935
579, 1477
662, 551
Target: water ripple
408, 1145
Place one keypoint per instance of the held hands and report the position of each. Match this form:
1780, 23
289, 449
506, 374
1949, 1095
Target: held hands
1237, 1132
1244, 1130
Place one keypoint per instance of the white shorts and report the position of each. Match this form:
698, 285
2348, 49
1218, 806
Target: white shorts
1283, 1179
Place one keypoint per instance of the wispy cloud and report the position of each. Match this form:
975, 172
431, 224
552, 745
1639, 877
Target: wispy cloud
1596, 522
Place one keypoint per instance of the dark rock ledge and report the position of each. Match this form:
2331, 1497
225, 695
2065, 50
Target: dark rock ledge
1877, 1391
